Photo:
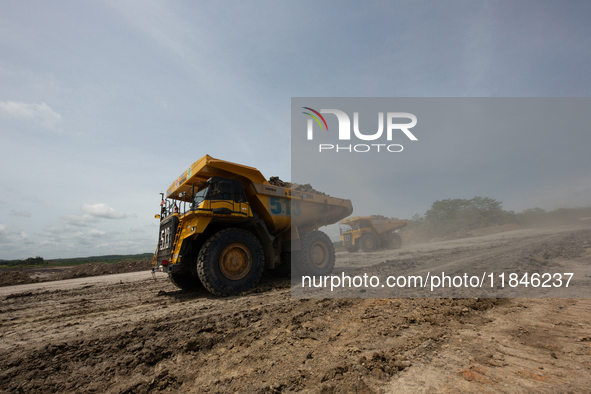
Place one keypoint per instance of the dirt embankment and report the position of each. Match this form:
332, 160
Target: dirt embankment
33, 275
415, 235
14, 278
96, 269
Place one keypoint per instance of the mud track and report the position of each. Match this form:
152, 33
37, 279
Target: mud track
127, 333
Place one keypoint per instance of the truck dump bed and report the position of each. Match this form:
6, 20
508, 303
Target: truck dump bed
381, 225
205, 168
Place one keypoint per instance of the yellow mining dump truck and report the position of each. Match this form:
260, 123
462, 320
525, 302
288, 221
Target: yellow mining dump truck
222, 224
370, 233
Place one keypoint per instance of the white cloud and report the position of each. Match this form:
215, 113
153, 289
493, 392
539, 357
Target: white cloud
96, 233
68, 238
41, 113
12, 237
93, 212
103, 211
78, 221
54, 234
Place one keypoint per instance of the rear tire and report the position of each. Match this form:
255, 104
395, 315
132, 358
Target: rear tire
185, 281
317, 254
369, 242
394, 241
230, 261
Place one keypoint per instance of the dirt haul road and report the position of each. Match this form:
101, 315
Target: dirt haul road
127, 333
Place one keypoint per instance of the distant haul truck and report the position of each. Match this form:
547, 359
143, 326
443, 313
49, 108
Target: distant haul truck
370, 233
222, 224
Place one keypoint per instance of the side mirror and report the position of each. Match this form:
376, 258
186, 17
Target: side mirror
156, 216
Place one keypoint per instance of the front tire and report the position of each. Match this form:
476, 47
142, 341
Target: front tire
369, 242
352, 248
317, 254
230, 261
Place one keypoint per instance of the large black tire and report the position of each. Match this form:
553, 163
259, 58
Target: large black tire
369, 242
185, 281
317, 257
353, 248
283, 269
230, 261
394, 241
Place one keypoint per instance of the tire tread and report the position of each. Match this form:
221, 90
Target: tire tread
207, 254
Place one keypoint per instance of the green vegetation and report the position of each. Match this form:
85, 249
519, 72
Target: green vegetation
452, 215
40, 262
30, 262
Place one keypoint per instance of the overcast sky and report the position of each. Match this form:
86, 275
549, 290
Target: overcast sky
104, 103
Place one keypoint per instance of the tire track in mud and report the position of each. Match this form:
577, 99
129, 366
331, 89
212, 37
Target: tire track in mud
258, 342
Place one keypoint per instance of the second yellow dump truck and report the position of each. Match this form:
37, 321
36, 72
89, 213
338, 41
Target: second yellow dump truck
222, 224
369, 233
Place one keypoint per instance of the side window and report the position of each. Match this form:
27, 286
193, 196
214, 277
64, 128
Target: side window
200, 196
227, 190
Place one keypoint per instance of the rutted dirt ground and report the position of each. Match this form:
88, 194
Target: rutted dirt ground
130, 334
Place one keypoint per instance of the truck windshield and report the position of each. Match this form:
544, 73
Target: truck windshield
345, 228
200, 196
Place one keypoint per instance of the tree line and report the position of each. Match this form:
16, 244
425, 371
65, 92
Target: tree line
30, 262
459, 215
